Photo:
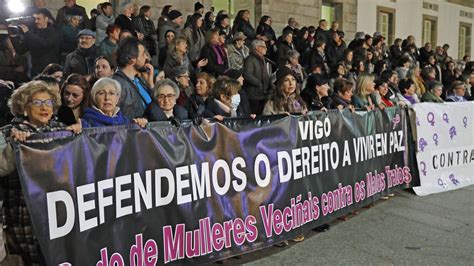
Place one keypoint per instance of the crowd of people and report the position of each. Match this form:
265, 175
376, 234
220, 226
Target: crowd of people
72, 72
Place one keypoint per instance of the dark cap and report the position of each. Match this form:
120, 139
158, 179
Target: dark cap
316, 80
197, 6
282, 72
174, 14
233, 73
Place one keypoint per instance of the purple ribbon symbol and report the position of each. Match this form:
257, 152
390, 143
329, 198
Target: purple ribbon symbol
430, 118
441, 183
423, 167
464, 120
417, 121
446, 118
452, 132
396, 121
422, 144
435, 138
454, 180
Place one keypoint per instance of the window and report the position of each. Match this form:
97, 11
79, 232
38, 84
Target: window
430, 30
464, 40
386, 23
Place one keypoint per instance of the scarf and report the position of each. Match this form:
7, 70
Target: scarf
220, 53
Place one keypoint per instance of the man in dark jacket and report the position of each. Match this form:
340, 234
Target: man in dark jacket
66, 9
81, 61
42, 42
257, 83
136, 94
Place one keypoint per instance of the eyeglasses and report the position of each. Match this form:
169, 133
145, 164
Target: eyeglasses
108, 93
39, 103
161, 97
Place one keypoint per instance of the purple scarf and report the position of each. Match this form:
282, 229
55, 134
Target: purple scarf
220, 53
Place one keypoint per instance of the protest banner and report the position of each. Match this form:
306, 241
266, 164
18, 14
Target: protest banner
189, 194
445, 142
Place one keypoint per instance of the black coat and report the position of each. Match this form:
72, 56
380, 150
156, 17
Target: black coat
81, 61
312, 100
213, 109
126, 23
43, 45
257, 83
212, 66
282, 51
247, 29
153, 113
334, 53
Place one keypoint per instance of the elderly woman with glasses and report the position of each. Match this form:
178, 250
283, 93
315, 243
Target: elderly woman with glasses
33, 106
164, 106
105, 95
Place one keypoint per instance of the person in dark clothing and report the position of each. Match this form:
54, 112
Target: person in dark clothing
124, 20
284, 46
69, 31
144, 25
321, 31
335, 49
215, 52
94, 13
292, 26
343, 91
318, 56
225, 100
223, 24
169, 37
75, 98
182, 77
164, 106
131, 61
66, 9
425, 52
200, 98
81, 61
209, 20
42, 42
242, 23
301, 42
265, 30
316, 93
396, 52
257, 83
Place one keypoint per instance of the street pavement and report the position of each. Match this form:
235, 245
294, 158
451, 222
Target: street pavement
404, 230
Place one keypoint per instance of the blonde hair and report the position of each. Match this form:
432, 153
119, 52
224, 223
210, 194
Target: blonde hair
364, 81
24, 94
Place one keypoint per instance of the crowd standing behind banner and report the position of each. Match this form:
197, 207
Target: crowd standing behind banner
307, 68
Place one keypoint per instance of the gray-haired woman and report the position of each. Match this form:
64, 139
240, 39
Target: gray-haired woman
104, 112
164, 106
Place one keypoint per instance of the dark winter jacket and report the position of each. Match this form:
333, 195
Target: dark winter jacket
81, 61
257, 82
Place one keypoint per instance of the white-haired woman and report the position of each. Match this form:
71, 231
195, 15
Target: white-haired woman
124, 20
104, 112
164, 106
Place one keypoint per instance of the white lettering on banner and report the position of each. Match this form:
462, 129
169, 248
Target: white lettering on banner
445, 142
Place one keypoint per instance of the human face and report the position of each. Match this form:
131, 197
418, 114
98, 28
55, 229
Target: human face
69, 3
383, 89
58, 75
289, 85
41, 114
225, 22
349, 57
294, 61
75, 21
221, 39
41, 21
201, 87
431, 60
289, 38
183, 80
261, 49
148, 13
347, 95
341, 70
241, 80
86, 41
410, 90
108, 11
370, 87
128, 11
73, 96
460, 90
166, 98
323, 90
169, 37
115, 34
438, 91
240, 43
199, 22
394, 79
102, 68
246, 16
106, 99
215, 38
182, 47
179, 20
141, 59
269, 21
